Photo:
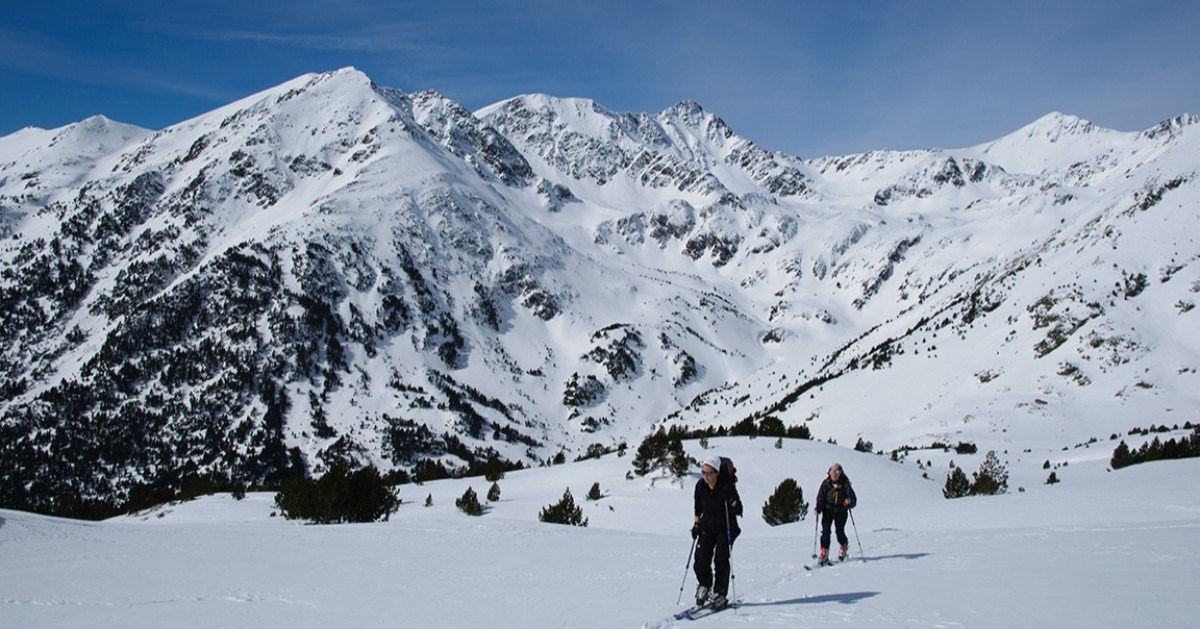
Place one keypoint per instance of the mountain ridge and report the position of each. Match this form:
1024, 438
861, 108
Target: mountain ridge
329, 269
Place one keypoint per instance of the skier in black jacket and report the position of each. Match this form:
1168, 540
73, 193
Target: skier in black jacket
834, 501
717, 507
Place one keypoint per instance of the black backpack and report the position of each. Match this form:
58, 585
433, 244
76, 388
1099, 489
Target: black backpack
728, 471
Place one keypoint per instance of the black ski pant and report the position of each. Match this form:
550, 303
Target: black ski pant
713, 549
838, 517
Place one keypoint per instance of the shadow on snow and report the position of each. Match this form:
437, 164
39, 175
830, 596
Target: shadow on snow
883, 557
848, 598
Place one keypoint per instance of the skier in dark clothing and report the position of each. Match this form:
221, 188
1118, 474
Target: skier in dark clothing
834, 501
717, 507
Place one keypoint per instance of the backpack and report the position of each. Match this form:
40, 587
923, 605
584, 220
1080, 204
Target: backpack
728, 470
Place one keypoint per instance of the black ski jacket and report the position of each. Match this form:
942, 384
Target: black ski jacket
719, 508
833, 495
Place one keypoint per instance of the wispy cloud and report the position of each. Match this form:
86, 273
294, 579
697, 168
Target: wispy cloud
388, 37
38, 55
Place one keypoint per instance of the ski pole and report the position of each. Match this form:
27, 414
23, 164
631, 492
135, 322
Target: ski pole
685, 571
816, 523
860, 550
732, 577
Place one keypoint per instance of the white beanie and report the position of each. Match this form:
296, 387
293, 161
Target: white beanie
712, 461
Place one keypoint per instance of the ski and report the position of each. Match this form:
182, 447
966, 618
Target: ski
828, 563
687, 613
697, 614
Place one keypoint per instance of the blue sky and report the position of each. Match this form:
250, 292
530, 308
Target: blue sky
810, 78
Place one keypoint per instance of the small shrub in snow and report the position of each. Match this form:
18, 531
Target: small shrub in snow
494, 493
594, 492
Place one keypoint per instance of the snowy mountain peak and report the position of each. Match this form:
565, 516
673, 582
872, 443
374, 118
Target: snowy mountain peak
687, 111
1056, 126
1053, 142
1171, 127
332, 270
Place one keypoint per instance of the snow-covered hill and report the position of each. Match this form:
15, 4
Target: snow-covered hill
330, 269
1099, 549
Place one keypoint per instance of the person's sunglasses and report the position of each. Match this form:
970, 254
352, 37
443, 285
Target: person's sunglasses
709, 473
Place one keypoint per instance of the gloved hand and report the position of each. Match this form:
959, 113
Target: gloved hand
695, 530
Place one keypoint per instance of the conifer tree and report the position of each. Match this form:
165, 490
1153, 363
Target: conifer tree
469, 503
1121, 457
679, 462
957, 484
786, 505
494, 492
340, 495
429, 500
565, 511
594, 492
992, 477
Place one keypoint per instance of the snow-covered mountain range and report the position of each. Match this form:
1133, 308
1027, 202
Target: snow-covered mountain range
333, 269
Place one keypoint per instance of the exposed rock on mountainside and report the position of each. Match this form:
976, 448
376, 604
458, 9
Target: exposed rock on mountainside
333, 270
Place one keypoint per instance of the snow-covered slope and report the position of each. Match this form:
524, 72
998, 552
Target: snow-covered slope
1092, 551
1053, 143
330, 269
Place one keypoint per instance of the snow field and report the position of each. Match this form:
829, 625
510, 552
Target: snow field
1100, 549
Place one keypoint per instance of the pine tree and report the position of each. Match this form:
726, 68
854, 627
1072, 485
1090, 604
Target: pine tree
786, 505
494, 493
647, 454
1121, 457
340, 495
564, 511
469, 503
429, 500
992, 477
678, 462
594, 492
957, 484
1052, 479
